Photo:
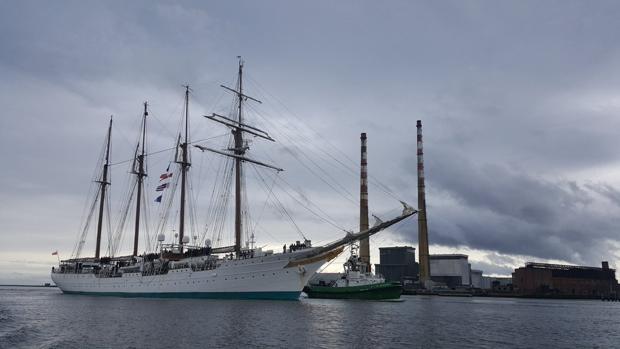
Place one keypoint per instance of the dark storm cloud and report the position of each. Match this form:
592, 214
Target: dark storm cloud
605, 190
491, 207
507, 193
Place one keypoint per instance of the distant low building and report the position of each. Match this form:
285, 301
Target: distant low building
552, 280
494, 282
476, 278
397, 264
450, 269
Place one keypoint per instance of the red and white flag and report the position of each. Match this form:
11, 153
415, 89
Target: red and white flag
55, 253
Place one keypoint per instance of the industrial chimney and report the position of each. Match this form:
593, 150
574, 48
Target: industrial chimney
422, 225
364, 243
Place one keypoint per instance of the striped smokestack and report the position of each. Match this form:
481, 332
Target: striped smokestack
364, 243
422, 225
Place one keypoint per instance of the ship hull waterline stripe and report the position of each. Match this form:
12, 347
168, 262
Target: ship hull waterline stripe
273, 295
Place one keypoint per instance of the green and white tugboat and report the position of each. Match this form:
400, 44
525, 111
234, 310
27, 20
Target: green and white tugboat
355, 283
358, 281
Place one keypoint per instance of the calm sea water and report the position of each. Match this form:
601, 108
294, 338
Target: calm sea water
45, 318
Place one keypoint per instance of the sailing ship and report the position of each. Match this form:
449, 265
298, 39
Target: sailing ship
184, 270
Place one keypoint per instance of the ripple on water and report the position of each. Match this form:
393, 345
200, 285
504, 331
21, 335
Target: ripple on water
17, 335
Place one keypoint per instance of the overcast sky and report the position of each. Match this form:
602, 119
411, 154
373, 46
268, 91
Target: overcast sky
519, 102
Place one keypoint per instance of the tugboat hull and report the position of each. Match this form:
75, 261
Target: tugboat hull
371, 292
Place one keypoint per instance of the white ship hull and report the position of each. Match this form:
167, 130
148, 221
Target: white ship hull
279, 276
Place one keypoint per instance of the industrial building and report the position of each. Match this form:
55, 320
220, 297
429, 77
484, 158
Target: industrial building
565, 281
475, 278
496, 283
397, 264
450, 269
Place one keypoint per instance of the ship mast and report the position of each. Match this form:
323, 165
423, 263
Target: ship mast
184, 168
140, 171
239, 149
103, 184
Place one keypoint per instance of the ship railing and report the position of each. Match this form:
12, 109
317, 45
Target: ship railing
209, 265
73, 270
148, 268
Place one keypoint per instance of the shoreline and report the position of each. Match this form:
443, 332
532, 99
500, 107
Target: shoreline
16, 285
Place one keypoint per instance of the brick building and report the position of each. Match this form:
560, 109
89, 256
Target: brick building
566, 281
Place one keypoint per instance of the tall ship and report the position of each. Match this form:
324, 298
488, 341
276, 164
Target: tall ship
181, 268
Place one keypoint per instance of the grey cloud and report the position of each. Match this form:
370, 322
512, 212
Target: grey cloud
605, 190
492, 269
518, 101
500, 260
